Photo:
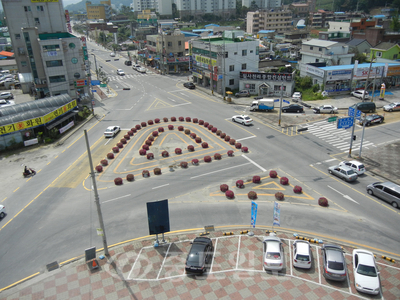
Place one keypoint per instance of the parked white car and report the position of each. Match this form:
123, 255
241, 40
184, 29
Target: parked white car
2, 211
296, 97
358, 167
359, 94
302, 254
366, 273
141, 70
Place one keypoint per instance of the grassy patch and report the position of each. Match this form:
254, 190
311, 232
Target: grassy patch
309, 95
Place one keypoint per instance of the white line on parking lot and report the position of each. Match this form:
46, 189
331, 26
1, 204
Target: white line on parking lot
116, 198
157, 187
328, 160
249, 137
181, 104
344, 196
219, 171
254, 163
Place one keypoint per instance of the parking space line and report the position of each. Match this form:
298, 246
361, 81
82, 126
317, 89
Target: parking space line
319, 270
133, 267
165, 257
215, 247
238, 252
290, 257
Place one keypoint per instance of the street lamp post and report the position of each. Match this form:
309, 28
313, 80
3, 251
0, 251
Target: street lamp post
95, 65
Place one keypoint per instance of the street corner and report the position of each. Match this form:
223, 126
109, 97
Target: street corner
154, 148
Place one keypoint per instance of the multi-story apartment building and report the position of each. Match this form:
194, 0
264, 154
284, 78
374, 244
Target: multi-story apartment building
44, 48
280, 21
147, 18
263, 4
100, 11
223, 8
163, 7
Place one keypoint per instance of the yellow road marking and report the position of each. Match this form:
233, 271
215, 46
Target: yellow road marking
4, 199
22, 280
16, 189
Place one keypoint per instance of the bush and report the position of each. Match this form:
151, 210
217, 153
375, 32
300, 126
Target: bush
180, 128
104, 162
204, 145
190, 148
198, 140
230, 153
217, 156
178, 151
238, 145
173, 119
206, 124
273, 174
297, 189
123, 141
170, 127
323, 201
195, 120
157, 171
130, 133
256, 179
229, 194
133, 130
252, 195
110, 155
223, 187
195, 161
187, 131
130, 177
151, 138
160, 129
207, 158
193, 135
222, 135
155, 133
210, 127
164, 154
279, 196
148, 142
145, 147
188, 119
145, 173
184, 164
165, 119
232, 141
227, 138
201, 122
218, 132
240, 184
115, 149
245, 149
99, 168
118, 181
142, 151
150, 122
120, 145
181, 119
150, 155
284, 180
144, 124
127, 137
157, 121
214, 129
138, 127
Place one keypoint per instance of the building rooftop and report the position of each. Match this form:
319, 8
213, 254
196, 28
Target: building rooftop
355, 42
366, 65
320, 43
381, 46
55, 36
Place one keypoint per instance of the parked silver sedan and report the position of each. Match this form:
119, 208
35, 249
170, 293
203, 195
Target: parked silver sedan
273, 253
325, 109
343, 172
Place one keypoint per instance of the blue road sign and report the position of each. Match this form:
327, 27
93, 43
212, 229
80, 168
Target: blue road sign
95, 82
345, 122
276, 100
286, 101
351, 113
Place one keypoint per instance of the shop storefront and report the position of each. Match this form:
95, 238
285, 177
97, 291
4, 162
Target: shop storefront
338, 81
267, 84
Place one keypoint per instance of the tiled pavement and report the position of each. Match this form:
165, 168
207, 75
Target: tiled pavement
137, 270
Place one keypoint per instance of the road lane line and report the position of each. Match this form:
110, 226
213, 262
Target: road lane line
218, 171
116, 198
181, 104
328, 160
157, 187
16, 189
246, 138
254, 163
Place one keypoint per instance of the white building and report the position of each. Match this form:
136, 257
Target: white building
201, 7
43, 47
266, 4
320, 51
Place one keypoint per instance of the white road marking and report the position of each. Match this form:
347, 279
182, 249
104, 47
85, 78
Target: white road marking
116, 198
344, 196
157, 187
254, 163
181, 104
218, 171
328, 160
250, 137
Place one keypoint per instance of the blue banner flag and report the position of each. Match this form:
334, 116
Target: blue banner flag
254, 207
277, 214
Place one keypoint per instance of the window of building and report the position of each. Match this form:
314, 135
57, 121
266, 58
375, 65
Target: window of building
37, 22
378, 54
59, 78
234, 53
54, 63
319, 49
231, 68
316, 60
23, 63
395, 56
231, 81
244, 66
51, 47
27, 8
39, 8
179, 43
244, 52
169, 44
17, 36
311, 48
251, 51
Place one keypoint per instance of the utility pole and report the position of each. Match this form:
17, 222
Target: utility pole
212, 73
95, 65
280, 105
96, 196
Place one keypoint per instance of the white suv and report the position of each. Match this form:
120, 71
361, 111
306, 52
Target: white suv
358, 167
6, 95
2, 211
302, 254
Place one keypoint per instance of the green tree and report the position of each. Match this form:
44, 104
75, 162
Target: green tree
395, 24
253, 6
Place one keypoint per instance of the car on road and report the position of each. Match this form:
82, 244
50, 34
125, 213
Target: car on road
4, 103
343, 172
128, 63
141, 70
372, 119
395, 106
325, 109
334, 263
136, 67
296, 108
111, 131
120, 72
2, 211
359, 94
387, 191
199, 256
242, 119
358, 167
273, 253
189, 85
296, 96
366, 275
112, 54
6, 95
242, 93
302, 254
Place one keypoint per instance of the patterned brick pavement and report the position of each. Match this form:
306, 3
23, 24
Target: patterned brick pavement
137, 270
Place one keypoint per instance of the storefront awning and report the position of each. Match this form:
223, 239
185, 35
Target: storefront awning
60, 120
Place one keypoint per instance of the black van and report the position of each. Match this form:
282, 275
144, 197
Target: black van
365, 107
128, 63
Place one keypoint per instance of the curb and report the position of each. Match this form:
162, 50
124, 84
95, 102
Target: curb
64, 138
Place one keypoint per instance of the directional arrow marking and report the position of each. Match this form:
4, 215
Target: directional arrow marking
344, 196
